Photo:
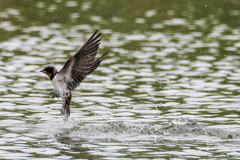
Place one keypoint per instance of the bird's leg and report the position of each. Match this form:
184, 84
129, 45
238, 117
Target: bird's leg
54, 94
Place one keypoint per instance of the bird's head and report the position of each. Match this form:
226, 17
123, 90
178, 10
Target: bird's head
49, 70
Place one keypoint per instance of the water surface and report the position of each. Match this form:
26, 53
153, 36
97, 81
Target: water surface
168, 89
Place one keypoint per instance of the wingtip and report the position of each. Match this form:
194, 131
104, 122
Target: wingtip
94, 34
104, 55
99, 34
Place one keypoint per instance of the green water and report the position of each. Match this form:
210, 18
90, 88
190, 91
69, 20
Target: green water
168, 89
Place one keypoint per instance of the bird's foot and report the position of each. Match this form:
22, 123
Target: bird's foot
54, 94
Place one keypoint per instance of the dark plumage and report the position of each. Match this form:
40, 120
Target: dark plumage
74, 71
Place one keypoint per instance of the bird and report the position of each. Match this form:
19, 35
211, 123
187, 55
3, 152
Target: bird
75, 70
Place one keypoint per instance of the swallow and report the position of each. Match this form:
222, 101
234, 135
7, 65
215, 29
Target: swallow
75, 70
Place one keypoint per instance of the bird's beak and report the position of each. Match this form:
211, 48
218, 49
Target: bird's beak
43, 71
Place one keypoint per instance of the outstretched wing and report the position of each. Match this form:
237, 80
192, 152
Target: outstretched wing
96, 64
82, 63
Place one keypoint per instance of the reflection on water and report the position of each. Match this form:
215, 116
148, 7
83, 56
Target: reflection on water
168, 87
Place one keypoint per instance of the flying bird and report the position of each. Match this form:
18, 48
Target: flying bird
74, 71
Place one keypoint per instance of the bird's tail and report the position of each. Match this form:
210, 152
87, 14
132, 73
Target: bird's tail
66, 103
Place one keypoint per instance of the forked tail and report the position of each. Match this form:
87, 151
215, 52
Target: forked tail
66, 103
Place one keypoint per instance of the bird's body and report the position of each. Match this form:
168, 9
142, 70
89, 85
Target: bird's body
59, 84
74, 71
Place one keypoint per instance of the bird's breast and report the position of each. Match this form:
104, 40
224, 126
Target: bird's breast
59, 84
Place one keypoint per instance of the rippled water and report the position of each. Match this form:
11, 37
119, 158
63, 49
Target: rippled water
168, 89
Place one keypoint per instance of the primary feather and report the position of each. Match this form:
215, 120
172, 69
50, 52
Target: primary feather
82, 63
